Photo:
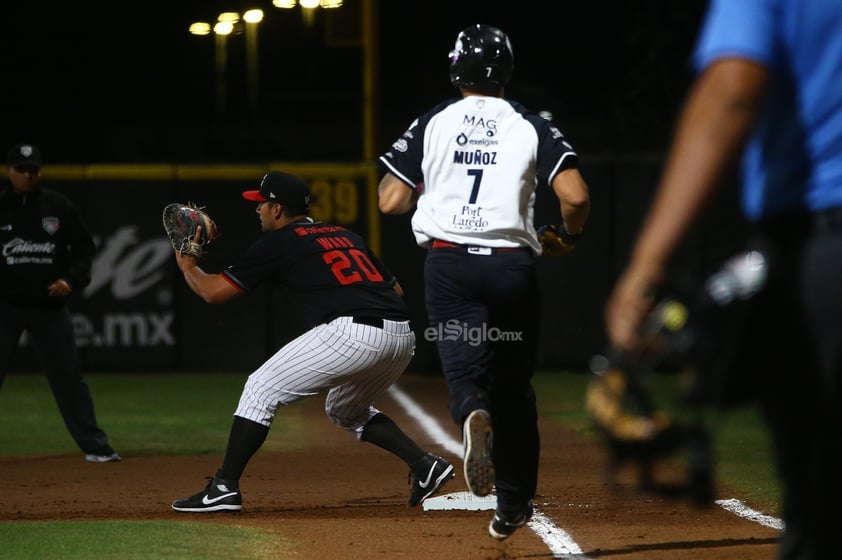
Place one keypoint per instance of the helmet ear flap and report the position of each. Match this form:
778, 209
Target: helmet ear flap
481, 57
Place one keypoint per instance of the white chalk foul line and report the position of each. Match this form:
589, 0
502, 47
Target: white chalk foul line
557, 540
562, 546
427, 422
737, 507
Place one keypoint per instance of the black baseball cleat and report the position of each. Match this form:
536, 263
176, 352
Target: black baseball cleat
479, 467
218, 495
505, 523
428, 477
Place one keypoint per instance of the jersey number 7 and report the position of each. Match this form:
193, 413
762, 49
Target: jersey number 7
477, 174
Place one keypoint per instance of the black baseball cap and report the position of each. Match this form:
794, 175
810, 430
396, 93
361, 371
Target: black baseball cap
283, 188
24, 154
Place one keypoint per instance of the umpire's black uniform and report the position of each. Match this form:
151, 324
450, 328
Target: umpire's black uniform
43, 239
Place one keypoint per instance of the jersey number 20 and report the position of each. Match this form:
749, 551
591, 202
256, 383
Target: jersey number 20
347, 266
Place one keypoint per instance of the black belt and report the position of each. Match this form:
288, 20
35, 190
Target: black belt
370, 321
798, 226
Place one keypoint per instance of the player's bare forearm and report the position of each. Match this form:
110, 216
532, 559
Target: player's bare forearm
210, 287
193, 284
574, 199
394, 196
575, 216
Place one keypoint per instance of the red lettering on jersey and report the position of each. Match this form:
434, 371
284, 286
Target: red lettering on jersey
347, 272
335, 242
315, 230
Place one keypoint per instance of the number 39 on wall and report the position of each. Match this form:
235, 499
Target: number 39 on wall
335, 201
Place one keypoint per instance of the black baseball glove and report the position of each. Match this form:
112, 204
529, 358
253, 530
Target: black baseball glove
181, 222
556, 241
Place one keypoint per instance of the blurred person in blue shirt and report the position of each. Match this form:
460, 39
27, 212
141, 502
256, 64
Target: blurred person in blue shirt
768, 90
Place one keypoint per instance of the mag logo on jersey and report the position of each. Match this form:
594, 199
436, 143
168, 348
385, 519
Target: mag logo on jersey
489, 126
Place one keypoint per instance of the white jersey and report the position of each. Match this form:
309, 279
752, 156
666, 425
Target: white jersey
476, 163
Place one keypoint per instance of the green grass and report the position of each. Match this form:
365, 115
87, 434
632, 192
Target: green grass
77, 540
145, 414
745, 459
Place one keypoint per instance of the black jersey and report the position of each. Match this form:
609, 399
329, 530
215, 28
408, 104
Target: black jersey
329, 269
42, 238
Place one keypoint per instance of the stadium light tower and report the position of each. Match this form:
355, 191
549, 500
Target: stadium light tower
221, 30
223, 27
252, 19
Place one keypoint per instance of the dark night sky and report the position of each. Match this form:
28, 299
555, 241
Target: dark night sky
99, 81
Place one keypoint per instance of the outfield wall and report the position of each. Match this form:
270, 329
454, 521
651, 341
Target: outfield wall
138, 315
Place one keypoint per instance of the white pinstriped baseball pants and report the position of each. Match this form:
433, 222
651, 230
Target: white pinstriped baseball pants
357, 363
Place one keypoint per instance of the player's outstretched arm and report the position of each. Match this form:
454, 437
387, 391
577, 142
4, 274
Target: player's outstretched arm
212, 288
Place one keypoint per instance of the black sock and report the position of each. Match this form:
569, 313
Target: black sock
383, 432
245, 439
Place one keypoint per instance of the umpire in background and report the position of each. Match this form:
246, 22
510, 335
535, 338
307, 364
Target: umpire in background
471, 167
768, 89
46, 256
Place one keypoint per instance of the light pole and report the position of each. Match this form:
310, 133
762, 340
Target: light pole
221, 29
252, 18
369, 44
221, 39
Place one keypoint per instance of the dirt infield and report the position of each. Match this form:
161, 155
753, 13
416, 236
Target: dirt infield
335, 498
